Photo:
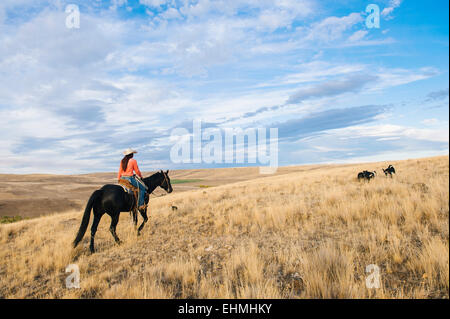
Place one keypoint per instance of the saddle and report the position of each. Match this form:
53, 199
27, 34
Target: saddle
130, 189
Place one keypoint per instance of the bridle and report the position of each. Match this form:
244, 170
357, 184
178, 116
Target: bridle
167, 183
165, 180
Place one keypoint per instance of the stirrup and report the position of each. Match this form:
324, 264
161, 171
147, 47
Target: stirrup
142, 207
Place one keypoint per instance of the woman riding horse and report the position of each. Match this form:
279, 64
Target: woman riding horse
112, 199
129, 166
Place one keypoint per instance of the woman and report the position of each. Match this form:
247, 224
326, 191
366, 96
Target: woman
128, 165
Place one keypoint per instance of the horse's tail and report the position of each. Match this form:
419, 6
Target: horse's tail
86, 216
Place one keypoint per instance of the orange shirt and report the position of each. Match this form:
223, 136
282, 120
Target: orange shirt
132, 166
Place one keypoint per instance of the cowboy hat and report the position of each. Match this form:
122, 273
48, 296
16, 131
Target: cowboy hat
129, 151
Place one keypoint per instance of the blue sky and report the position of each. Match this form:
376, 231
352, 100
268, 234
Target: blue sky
72, 99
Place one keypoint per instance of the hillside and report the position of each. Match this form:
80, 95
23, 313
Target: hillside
36, 195
307, 232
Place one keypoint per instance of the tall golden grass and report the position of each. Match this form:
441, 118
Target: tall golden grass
307, 234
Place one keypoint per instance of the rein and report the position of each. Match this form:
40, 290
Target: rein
167, 183
156, 195
165, 179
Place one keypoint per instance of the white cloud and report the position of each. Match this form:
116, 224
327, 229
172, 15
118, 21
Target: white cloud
393, 131
358, 35
316, 71
398, 76
430, 122
393, 4
333, 28
153, 3
170, 13
118, 3
320, 71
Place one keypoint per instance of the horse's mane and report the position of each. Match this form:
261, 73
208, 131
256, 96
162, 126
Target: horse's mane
151, 180
151, 177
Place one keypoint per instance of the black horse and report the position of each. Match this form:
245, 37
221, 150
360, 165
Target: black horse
366, 175
390, 170
112, 199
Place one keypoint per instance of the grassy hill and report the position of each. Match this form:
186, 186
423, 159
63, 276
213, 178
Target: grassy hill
36, 195
309, 232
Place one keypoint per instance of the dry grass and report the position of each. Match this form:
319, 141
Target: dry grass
307, 234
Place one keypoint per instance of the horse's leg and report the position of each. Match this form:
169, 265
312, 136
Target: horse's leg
144, 215
112, 228
135, 217
97, 216
133, 211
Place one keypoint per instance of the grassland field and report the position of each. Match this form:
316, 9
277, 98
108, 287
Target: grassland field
305, 232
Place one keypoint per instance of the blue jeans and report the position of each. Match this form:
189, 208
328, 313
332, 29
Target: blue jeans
141, 187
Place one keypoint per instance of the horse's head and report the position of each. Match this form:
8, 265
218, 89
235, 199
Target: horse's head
165, 182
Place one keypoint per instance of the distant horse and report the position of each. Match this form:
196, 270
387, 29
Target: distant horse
112, 199
366, 175
389, 170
